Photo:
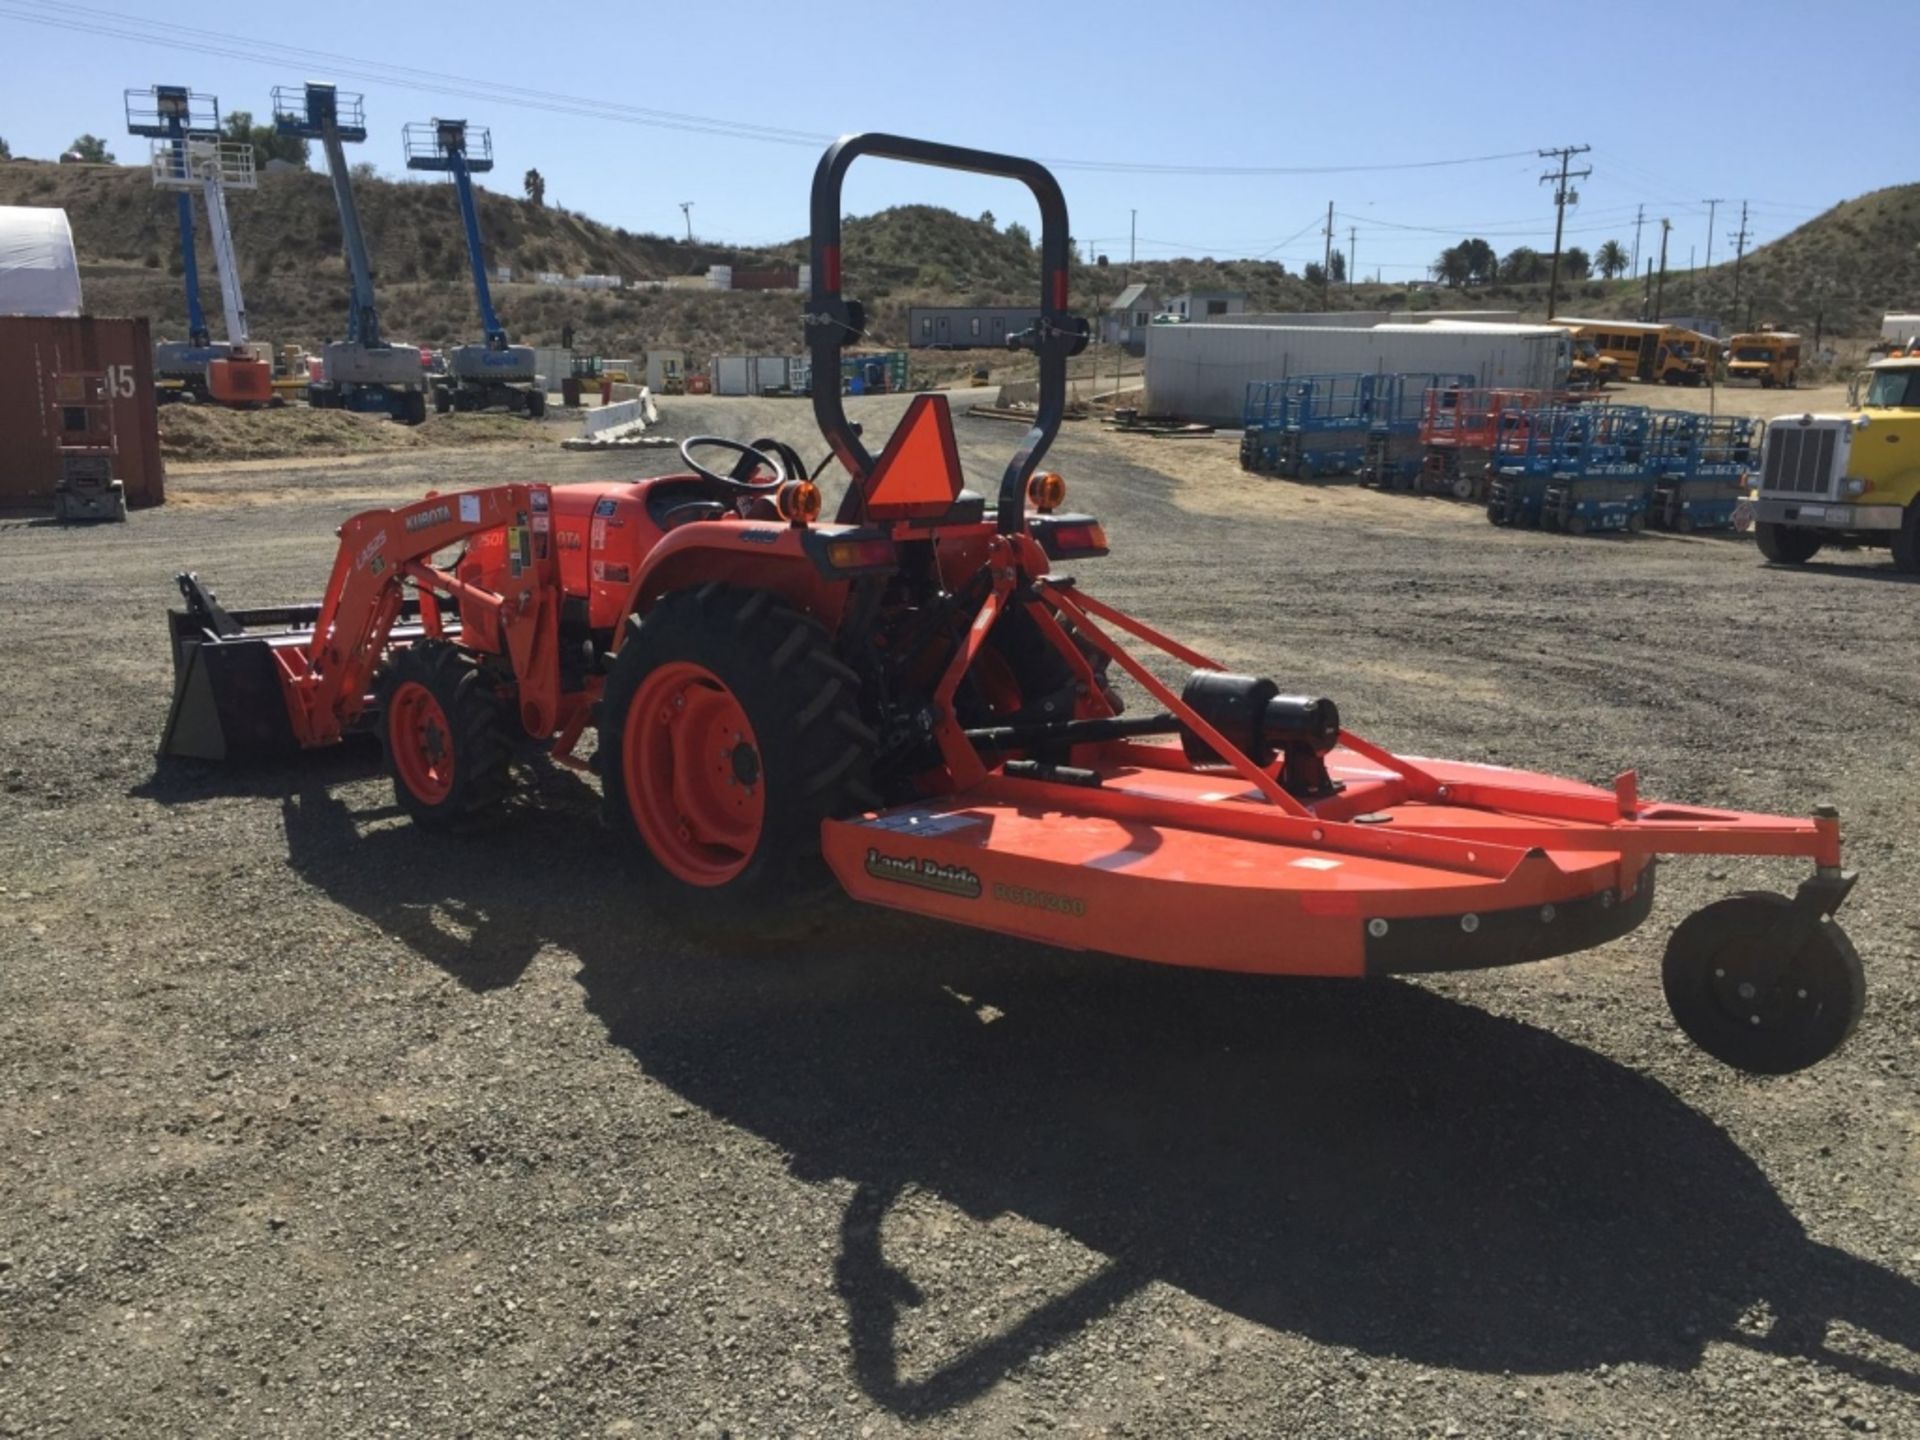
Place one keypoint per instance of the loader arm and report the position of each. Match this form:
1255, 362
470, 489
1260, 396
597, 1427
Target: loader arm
328, 680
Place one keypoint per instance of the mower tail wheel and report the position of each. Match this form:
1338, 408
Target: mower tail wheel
727, 732
1760, 987
445, 731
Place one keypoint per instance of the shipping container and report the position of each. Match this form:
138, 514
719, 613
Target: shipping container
779, 277
34, 353
1201, 372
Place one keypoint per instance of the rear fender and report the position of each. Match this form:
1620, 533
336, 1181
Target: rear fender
758, 555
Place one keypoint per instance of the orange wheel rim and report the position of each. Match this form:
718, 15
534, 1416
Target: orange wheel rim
692, 768
422, 742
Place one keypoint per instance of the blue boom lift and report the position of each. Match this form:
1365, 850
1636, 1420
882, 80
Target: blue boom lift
494, 373
173, 114
363, 372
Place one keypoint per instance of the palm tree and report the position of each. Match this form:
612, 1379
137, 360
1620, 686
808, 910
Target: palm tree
1611, 259
1453, 269
1481, 261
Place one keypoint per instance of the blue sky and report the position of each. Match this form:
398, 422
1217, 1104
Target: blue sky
1766, 101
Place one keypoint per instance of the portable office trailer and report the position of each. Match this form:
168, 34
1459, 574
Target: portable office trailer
1201, 372
967, 327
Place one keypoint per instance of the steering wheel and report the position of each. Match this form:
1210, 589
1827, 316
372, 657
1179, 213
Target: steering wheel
752, 460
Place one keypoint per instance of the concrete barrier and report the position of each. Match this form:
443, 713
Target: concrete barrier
638, 411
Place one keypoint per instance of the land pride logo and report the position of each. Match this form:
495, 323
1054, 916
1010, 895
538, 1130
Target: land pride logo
927, 874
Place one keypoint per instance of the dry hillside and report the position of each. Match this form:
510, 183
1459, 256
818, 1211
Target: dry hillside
1858, 259
1846, 267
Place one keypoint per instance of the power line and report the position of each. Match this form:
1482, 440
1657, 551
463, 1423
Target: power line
92, 21
260, 52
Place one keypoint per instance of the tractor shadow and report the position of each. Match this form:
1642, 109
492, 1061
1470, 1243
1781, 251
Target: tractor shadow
1371, 1166
1882, 571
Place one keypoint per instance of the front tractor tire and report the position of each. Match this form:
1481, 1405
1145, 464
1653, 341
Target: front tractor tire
1906, 541
1785, 545
728, 731
446, 733
1760, 988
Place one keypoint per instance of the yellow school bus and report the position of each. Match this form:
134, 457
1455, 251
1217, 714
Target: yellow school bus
1766, 358
1643, 351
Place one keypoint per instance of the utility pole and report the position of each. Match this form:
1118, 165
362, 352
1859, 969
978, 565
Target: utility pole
1646, 302
1353, 232
1133, 223
1639, 219
1561, 195
1326, 261
1660, 290
1739, 252
1712, 205
686, 209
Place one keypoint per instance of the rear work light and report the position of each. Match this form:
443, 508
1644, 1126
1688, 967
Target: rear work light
1077, 536
874, 553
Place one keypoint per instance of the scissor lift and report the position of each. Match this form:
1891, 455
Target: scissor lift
1701, 464
1463, 429
1395, 454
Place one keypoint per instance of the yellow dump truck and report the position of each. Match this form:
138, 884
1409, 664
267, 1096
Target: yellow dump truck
1766, 358
1851, 479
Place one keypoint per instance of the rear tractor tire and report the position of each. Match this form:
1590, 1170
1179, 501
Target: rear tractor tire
1761, 989
1784, 545
446, 732
729, 730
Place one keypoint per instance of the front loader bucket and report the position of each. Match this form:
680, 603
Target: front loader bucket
228, 695
229, 687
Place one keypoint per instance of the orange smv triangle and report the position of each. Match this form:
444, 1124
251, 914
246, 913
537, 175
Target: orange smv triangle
918, 476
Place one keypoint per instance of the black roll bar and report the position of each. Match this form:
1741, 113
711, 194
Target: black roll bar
832, 320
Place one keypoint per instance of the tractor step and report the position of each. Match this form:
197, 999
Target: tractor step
1109, 869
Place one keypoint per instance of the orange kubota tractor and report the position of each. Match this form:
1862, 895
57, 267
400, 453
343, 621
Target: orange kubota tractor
914, 693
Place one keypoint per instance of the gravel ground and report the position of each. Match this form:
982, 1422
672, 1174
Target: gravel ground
314, 1127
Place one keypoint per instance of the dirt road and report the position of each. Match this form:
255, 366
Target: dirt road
314, 1127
